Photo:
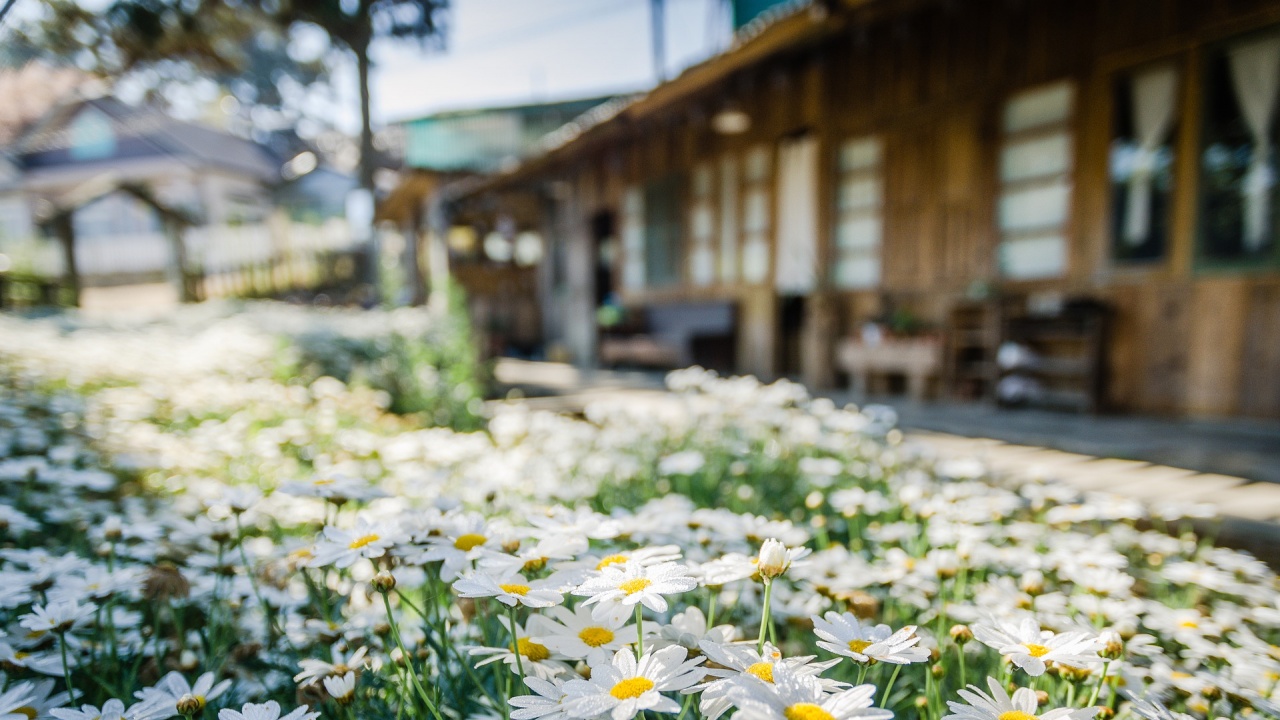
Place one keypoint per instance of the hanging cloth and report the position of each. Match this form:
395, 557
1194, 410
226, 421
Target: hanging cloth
1154, 95
1255, 74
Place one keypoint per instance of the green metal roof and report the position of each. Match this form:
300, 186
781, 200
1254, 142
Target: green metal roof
482, 140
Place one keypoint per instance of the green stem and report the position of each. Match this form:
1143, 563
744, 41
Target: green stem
66, 667
408, 659
884, 699
711, 607
764, 618
639, 631
1093, 697
515, 646
964, 682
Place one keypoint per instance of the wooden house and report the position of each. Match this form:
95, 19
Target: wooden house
976, 166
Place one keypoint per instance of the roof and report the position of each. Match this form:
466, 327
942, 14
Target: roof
486, 139
145, 131
786, 26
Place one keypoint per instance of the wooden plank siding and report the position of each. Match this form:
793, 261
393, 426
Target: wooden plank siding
930, 79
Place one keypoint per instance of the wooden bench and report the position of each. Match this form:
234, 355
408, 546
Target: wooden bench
674, 335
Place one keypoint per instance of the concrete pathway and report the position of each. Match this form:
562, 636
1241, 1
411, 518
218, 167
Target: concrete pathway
1233, 465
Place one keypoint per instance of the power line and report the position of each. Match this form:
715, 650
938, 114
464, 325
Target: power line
8, 5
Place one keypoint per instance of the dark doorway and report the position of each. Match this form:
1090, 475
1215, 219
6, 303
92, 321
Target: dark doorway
604, 243
791, 312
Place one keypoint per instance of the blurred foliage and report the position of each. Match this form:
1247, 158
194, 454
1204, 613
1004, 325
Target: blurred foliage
429, 370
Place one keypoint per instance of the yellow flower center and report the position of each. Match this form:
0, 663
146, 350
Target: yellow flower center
339, 670
532, 650
1188, 624
634, 586
596, 636
762, 670
19, 655
468, 541
631, 688
322, 481
28, 711
1036, 650
807, 711
859, 645
1015, 715
611, 560
514, 588
363, 540
534, 564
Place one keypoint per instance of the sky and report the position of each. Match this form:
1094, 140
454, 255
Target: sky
517, 51
497, 52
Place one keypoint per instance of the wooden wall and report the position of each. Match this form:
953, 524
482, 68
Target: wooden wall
931, 81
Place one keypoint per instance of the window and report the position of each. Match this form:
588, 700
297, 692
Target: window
756, 215
859, 216
729, 218
1142, 162
1237, 160
1035, 182
797, 241
702, 256
662, 232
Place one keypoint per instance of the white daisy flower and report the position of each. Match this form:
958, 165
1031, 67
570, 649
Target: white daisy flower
1152, 709
735, 665
625, 687
341, 548
314, 671
547, 702
16, 702
468, 539
57, 617
342, 688
163, 697
535, 658
844, 635
579, 636
689, 630
270, 710
511, 590
999, 706
616, 590
1030, 647
796, 696
111, 710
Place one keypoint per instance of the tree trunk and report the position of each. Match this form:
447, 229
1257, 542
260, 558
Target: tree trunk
367, 160
64, 228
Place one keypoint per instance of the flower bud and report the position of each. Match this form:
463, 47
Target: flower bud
189, 705
1042, 697
961, 634
1112, 645
1104, 713
773, 560
383, 582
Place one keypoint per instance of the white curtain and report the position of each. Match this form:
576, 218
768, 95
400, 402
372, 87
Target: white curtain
1155, 93
797, 261
1255, 72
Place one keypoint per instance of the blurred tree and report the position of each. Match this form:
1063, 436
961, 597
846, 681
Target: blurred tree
353, 24
241, 44
163, 46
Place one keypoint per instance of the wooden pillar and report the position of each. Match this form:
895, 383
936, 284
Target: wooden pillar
438, 253
758, 334
580, 311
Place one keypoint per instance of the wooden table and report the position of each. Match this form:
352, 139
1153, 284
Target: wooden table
917, 359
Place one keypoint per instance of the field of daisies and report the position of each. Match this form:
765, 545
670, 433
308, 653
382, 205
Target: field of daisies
262, 512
